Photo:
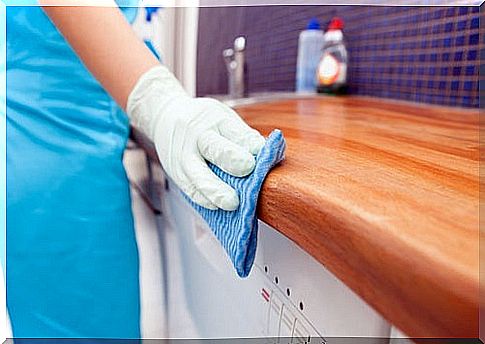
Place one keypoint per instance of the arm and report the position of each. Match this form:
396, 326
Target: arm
186, 131
105, 42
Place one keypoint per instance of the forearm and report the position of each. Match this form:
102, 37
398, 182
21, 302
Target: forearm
107, 45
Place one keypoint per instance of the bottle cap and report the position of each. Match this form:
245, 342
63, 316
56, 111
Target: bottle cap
313, 24
149, 12
336, 24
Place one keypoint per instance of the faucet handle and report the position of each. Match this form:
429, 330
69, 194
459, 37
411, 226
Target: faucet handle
240, 43
228, 54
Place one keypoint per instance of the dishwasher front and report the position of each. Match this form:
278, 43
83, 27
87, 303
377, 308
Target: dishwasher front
288, 297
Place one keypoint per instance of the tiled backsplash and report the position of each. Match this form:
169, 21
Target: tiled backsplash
425, 54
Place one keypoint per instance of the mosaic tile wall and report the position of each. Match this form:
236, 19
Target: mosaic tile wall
424, 54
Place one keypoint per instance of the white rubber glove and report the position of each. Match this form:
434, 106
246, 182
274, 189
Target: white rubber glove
188, 131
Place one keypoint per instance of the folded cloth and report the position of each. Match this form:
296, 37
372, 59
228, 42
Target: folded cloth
237, 230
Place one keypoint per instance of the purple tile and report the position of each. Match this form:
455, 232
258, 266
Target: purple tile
387, 50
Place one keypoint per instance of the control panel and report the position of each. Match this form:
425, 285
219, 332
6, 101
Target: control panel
282, 321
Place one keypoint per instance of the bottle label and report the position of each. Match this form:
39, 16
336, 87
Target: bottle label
328, 70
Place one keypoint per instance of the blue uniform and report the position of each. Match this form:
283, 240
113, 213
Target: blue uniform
72, 260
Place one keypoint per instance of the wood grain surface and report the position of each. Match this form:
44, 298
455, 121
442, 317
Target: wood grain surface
385, 195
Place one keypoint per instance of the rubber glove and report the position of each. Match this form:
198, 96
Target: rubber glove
189, 131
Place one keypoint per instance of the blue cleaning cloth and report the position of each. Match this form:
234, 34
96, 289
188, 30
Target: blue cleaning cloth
237, 230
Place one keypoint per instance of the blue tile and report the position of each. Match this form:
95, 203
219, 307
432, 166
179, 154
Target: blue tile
472, 55
474, 39
458, 56
467, 101
445, 57
422, 57
444, 71
470, 70
430, 84
450, 12
447, 42
474, 23
468, 85
442, 85
439, 99
455, 85
448, 27
460, 40
462, 10
456, 71
461, 25
453, 100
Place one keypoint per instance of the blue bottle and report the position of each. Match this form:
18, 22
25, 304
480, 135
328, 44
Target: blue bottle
310, 46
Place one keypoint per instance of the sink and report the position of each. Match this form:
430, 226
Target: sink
260, 97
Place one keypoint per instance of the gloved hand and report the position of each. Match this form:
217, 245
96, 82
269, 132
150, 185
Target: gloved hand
188, 131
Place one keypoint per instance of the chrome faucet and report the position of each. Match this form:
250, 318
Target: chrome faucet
234, 58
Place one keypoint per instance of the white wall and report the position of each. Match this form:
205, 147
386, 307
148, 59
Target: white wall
186, 29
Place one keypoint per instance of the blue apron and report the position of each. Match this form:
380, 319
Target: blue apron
72, 259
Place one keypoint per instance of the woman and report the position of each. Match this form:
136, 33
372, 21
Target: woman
72, 262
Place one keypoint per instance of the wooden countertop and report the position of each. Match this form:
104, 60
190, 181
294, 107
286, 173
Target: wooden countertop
385, 194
